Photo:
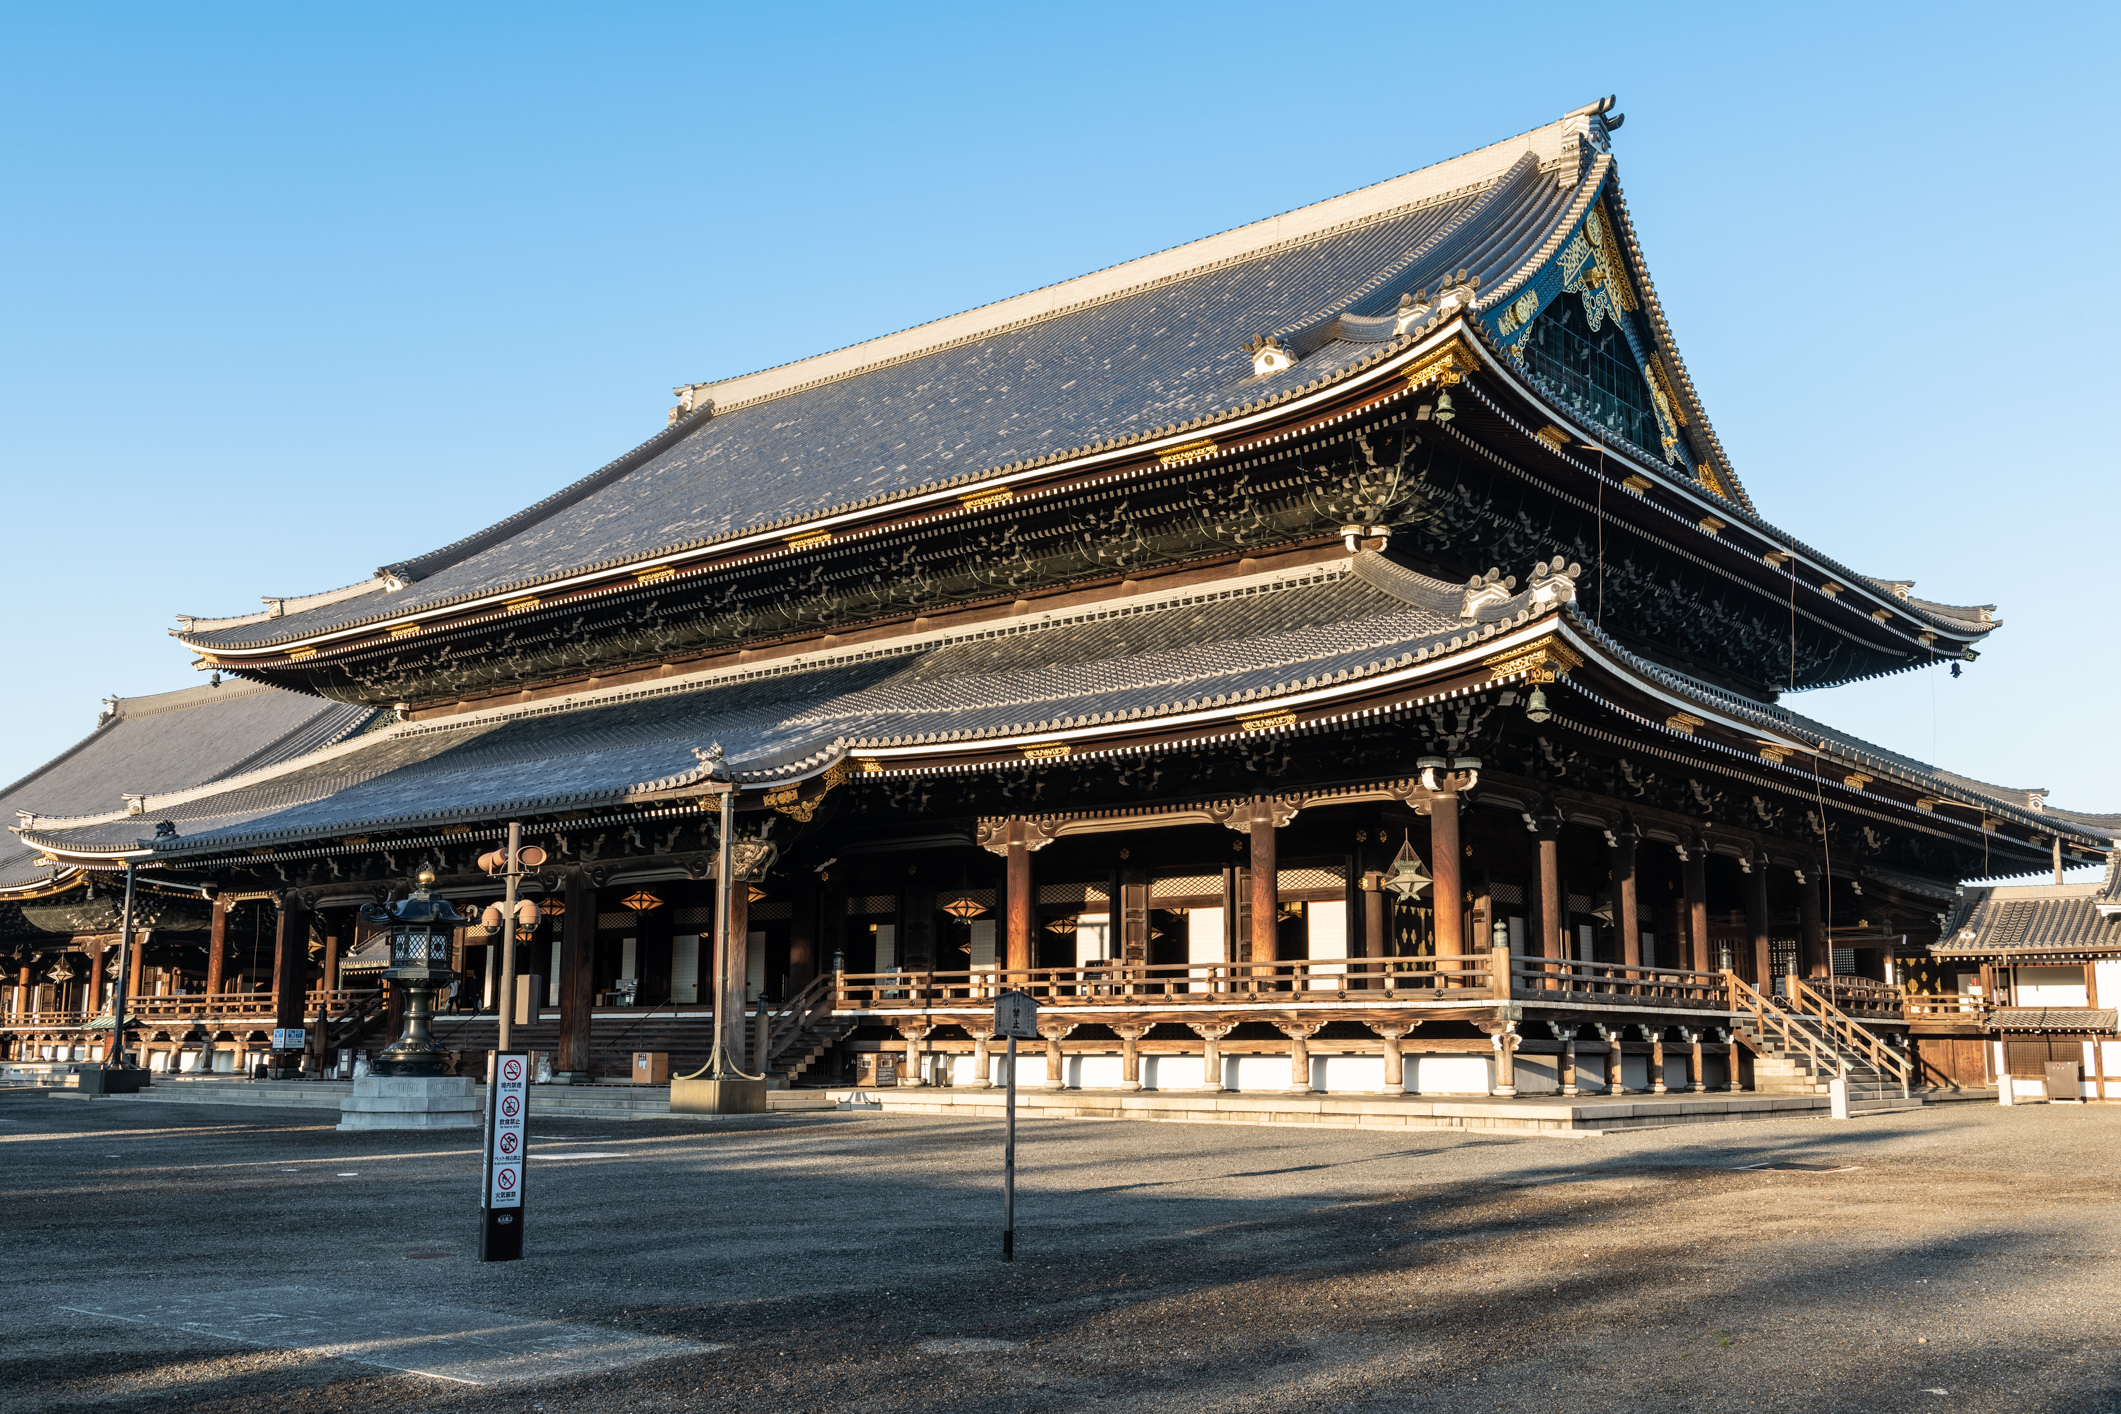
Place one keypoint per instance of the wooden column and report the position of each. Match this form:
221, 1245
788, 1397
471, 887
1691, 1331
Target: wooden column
1553, 897
1266, 889
1616, 1076
1211, 1035
1657, 1085
1565, 1067
331, 965
1696, 871
1817, 961
1130, 1061
981, 1035
578, 936
1695, 1077
1627, 907
802, 939
290, 972
1506, 1041
1022, 894
1056, 1063
910, 1074
1375, 909
95, 979
1756, 922
1392, 1035
139, 967
216, 949
1299, 1034
1446, 868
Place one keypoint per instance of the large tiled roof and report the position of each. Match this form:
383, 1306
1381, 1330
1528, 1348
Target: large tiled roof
170, 741
1111, 357
1254, 638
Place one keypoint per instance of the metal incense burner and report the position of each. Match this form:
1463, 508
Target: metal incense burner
421, 929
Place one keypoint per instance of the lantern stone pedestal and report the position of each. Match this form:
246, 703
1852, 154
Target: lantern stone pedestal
411, 1102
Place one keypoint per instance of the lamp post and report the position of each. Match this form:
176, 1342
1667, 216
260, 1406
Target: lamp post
420, 928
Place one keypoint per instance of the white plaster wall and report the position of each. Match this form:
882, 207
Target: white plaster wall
1348, 1075
2051, 986
1538, 1075
1171, 1072
981, 943
2106, 976
1094, 1072
887, 947
1204, 944
2110, 1053
1675, 1068
1090, 937
1256, 1072
1450, 1075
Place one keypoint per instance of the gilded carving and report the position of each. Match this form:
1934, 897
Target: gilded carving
1544, 661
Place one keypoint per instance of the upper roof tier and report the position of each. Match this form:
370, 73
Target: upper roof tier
1246, 319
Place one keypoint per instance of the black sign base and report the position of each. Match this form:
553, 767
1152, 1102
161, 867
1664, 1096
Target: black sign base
501, 1235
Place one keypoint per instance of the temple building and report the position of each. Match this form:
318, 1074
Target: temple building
1336, 654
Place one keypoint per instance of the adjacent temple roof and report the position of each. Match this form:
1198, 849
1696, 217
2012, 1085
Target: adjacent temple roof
1232, 655
1238, 321
171, 741
2035, 919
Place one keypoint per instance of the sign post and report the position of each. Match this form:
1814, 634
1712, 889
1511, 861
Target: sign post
501, 1197
1015, 1018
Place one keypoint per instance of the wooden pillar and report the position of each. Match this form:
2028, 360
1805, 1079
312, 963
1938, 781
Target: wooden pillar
1553, 897
1130, 1061
1657, 1085
1266, 889
802, 939
1627, 907
331, 964
95, 979
1022, 894
290, 972
1056, 1063
910, 1074
139, 967
1696, 1077
981, 1035
1446, 868
1817, 961
1392, 1035
1299, 1034
1616, 1076
1756, 922
1565, 1068
1375, 909
1505, 1040
1211, 1035
578, 935
216, 949
1696, 872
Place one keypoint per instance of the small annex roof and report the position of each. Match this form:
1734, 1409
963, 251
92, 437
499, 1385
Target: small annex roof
2051, 1018
1202, 661
2022, 920
170, 741
1124, 355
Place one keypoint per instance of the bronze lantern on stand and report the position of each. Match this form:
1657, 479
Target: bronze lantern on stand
422, 928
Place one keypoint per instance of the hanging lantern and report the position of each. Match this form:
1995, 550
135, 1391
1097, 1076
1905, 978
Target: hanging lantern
1062, 926
1410, 877
964, 907
756, 894
554, 908
642, 901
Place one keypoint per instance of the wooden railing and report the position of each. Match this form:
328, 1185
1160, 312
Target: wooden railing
160, 1011
1844, 1032
1779, 1029
1945, 1006
1470, 977
1860, 996
1558, 979
788, 1022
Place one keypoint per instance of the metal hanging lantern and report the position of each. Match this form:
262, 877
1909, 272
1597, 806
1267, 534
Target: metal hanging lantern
965, 907
1410, 877
421, 930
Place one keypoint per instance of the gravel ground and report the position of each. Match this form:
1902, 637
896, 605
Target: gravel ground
1967, 1263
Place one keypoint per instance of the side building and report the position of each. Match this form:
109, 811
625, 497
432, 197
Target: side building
1333, 654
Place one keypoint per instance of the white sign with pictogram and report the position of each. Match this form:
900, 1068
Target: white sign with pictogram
505, 1138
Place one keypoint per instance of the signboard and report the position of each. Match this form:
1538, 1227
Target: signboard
1015, 1017
501, 1197
289, 1038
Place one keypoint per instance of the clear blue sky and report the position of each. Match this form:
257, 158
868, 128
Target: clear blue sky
295, 291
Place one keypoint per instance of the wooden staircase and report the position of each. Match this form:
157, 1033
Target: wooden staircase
804, 1029
1801, 1042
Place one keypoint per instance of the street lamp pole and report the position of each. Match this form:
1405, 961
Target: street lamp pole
505, 1008
720, 1066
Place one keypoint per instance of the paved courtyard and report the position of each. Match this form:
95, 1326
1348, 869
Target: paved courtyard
163, 1257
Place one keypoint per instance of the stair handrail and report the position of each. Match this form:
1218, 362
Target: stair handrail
796, 1014
1841, 1028
1770, 1018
